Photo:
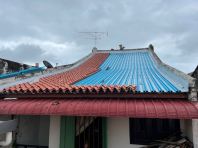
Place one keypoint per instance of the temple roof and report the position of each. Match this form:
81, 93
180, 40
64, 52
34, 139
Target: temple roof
128, 70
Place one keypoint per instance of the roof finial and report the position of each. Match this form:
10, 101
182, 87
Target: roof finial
151, 47
94, 49
121, 47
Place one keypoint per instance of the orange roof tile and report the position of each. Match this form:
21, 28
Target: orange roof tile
61, 80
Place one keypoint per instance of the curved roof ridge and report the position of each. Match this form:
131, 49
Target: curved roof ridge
118, 50
141, 67
190, 79
82, 69
46, 73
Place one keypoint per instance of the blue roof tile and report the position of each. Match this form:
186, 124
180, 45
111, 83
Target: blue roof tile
136, 67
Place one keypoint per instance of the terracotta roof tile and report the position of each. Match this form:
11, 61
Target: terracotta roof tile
61, 81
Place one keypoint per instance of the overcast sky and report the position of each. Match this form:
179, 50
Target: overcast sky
34, 30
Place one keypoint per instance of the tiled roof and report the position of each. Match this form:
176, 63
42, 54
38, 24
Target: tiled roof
98, 91
61, 80
125, 71
138, 108
129, 83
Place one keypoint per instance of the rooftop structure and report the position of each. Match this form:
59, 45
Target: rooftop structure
76, 105
8, 66
140, 68
127, 74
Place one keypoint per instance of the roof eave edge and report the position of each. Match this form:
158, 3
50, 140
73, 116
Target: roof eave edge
182, 95
190, 79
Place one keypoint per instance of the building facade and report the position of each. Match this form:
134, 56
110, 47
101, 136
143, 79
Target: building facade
7, 66
110, 99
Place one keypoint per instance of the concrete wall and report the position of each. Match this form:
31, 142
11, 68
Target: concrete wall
2, 136
5, 118
44, 130
186, 128
195, 132
190, 129
33, 130
118, 133
54, 132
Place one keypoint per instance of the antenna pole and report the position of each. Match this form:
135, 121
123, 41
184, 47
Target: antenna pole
95, 41
95, 36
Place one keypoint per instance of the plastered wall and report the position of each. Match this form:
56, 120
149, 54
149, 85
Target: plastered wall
118, 133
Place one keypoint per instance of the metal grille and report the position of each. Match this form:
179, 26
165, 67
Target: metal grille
88, 132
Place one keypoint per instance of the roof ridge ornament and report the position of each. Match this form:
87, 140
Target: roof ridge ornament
151, 47
94, 49
121, 47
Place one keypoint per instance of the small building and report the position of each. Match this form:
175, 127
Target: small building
7, 66
110, 99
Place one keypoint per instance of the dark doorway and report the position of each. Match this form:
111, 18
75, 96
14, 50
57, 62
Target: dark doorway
88, 132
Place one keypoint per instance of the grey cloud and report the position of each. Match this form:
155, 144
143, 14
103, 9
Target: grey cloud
33, 51
133, 23
23, 53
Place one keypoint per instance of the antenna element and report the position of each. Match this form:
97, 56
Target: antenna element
95, 36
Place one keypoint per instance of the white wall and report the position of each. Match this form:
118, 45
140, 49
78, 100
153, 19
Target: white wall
54, 132
195, 132
33, 130
190, 129
186, 128
5, 118
118, 133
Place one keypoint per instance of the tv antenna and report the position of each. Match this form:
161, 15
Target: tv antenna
95, 36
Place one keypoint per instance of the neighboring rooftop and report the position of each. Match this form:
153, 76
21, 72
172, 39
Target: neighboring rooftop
8, 66
126, 70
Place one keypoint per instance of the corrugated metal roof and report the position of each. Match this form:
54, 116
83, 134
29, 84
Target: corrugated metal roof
138, 108
136, 67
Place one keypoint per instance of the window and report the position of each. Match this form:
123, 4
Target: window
144, 131
88, 132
